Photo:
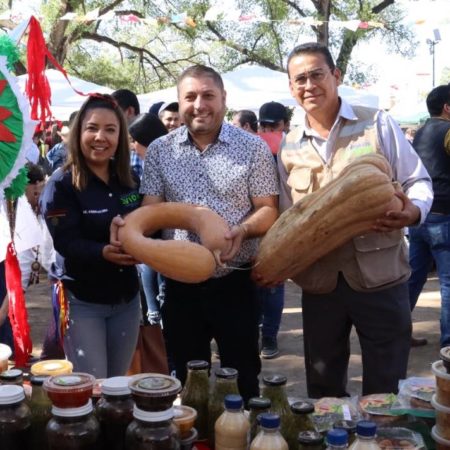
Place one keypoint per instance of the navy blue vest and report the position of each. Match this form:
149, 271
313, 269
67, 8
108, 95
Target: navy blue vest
429, 144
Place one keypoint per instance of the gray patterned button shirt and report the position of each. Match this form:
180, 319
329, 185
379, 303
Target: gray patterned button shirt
224, 177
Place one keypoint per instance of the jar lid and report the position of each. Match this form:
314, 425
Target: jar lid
73, 412
349, 425
233, 401
269, 420
259, 403
337, 436
154, 385
274, 380
226, 372
11, 374
152, 416
197, 364
302, 408
52, 367
366, 428
76, 381
38, 380
310, 437
444, 353
10, 393
116, 386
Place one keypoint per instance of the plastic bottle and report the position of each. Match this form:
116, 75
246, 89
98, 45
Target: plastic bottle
41, 407
337, 439
269, 438
257, 406
349, 426
365, 436
232, 428
196, 394
114, 411
225, 383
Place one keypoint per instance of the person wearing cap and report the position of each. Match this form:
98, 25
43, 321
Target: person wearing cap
58, 154
273, 116
169, 115
128, 103
363, 283
431, 240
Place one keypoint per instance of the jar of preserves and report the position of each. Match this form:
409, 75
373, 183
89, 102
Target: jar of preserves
153, 391
196, 394
40, 406
73, 429
152, 430
225, 383
257, 406
302, 416
12, 376
69, 391
310, 440
114, 411
52, 367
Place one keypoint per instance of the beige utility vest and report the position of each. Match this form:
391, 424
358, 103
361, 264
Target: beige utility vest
368, 262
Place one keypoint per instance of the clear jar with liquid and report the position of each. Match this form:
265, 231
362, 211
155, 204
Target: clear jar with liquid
337, 439
269, 436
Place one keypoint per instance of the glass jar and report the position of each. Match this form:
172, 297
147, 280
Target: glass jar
302, 419
12, 376
154, 392
73, 429
257, 406
153, 430
40, 406
69, 391
15, 419
225, 383
196, 394
349, 426
114, 411
310, 440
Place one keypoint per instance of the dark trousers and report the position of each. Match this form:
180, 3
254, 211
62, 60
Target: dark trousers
225, 309
382, 321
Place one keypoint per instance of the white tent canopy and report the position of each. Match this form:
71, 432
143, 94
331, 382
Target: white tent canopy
64, 99
249, 86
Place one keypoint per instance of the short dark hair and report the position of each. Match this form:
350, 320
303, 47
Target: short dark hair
437, 98
126, 98
35, 173
198, 71
146, 128
246, 116
311, 48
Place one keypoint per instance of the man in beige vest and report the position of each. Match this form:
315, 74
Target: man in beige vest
364, 282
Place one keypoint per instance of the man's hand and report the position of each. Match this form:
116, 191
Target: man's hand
236, 236
395, 220
116, 223
116, 255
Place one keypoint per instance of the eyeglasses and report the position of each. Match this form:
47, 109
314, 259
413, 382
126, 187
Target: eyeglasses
316, 76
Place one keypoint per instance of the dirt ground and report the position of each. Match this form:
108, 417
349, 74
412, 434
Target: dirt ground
290, 362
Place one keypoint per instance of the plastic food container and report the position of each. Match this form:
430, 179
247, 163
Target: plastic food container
52, 367
184, 418
442, 418
441, 443
70, 391
5, 353
154, 391
442, 383
444, 353
398, 438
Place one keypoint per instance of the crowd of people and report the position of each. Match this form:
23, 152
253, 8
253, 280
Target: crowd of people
113, 159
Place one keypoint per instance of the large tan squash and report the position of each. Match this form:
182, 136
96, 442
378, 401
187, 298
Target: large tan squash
184, 261
324, 220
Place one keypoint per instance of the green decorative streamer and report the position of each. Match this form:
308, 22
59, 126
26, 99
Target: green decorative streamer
9, 49
18, 185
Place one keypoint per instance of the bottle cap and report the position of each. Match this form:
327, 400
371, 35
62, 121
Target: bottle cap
37, 380
348, 425
269, 420
197, 364
302, 408
366, 428
73, 412
116, 386
259, 403
337, 436
233, 401
274, 380
10, 394
226, 372
310, 438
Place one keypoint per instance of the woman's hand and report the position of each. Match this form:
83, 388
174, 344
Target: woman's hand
116, 255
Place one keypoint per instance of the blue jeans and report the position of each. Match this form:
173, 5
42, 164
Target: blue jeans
272, 303
101, 339
151, 283
427, 242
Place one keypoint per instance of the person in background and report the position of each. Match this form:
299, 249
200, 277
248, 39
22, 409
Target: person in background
431, 240
273, 116
57, 155
144, 130
271, 298
363, 283
169, 115
79, 203
128, 103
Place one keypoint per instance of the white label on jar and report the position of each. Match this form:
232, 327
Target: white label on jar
346, 412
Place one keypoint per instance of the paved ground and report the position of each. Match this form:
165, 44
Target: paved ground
291, 361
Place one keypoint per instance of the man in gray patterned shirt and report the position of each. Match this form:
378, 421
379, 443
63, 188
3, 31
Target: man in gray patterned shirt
210, 163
